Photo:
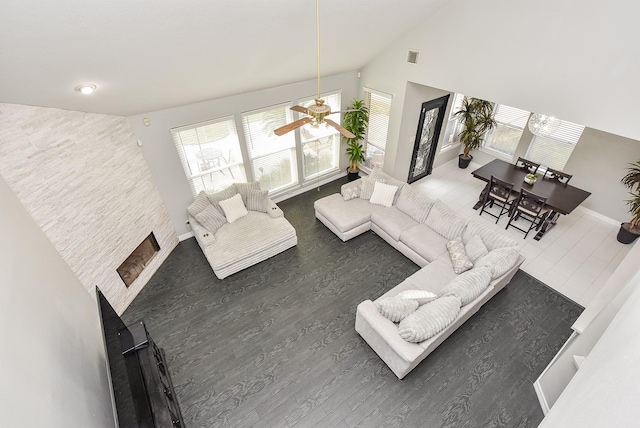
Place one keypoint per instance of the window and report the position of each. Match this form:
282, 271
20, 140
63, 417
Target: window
504, 138
554, 150
379, 105
273, 158
321, 145
454, 125
210, 154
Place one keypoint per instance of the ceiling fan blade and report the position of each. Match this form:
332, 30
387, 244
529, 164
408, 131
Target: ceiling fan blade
300, 109
291, 126
340, 128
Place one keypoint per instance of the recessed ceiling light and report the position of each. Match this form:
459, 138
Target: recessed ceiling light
86, 89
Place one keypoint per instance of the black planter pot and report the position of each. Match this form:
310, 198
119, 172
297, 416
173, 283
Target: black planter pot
464, 163
625, 235
352, 176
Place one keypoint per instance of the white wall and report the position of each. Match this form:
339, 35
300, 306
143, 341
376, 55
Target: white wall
52, 361
83, 179
160, 151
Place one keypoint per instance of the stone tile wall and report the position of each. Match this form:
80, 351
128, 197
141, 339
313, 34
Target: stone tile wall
83, 178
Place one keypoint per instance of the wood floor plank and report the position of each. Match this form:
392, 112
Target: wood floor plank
275, 345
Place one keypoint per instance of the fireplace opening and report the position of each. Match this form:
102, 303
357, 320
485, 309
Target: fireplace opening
133, 266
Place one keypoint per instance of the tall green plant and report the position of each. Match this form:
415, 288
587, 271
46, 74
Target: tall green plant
477, 119
632, 182
355, 120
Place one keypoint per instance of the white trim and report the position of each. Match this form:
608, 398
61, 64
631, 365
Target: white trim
599, 216
185, 236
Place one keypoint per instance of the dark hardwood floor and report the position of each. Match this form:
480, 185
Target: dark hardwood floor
275, 345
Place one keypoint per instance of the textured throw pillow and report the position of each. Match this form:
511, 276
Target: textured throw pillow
396, 309
257, 200
459, 259
233, 208
420, 296
383, 194
350, 192
500, 260
468, 285
414, 204
444, 221
429, 319
211, 219
475, 248
199, 204
377, 175
222, 195
243, 188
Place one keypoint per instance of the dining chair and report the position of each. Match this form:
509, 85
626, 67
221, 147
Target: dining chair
559, 176
532, 208
531, 166
499, 193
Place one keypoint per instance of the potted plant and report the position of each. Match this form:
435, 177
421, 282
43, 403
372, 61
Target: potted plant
355, 120
477, 119
630, 231
530, 178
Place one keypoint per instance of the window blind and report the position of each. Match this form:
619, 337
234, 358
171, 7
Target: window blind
554, 150
379, 112
504, 138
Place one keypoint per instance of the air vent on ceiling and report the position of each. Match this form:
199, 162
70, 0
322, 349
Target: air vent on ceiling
412, 57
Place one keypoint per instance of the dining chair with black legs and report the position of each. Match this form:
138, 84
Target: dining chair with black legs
501, 194
532, 208
559, 176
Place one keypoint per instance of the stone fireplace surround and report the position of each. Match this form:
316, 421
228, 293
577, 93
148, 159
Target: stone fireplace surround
83, 178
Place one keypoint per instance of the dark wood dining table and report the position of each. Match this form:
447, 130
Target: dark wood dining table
561, 198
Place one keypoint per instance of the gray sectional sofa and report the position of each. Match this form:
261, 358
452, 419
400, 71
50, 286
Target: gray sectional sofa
232, 246
421, 229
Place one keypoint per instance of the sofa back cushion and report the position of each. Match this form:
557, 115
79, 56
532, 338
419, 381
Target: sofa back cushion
445, 221
243, 189
499, 260
468, 285
377, 175
414, 204
491, 239
222, 195
199, 204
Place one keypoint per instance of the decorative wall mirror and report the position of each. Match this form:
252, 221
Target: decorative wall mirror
427, 136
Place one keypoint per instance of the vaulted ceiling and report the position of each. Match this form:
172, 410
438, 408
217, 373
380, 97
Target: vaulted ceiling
145, 56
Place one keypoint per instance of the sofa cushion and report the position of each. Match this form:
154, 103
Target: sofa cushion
199, 204
429, 319
445, 221
459, 259
233, 208
424, 241
243, 189
396, 308
345, 215
222, 195
420, 296
414, 203
247, 239
433, 277
393, 221
500, 260
383, 194
377, 175
475, 248
468, 285
211, 218
491, 237
256, 200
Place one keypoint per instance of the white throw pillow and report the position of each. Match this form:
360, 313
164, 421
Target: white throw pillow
475, 248
396, 308
459, 259
420, 296
383, 194
233, 208
430, 319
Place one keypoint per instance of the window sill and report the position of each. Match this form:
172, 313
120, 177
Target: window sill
454, 146
497, 154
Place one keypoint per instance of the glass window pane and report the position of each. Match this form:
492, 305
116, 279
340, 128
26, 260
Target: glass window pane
376, 138
504, 138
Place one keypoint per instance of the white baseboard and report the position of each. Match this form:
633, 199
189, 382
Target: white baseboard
309, 185
185, 236
599, 216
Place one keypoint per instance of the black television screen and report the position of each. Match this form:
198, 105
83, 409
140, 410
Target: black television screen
124, 370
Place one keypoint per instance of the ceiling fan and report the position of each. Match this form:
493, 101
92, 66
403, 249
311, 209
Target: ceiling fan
319, 111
